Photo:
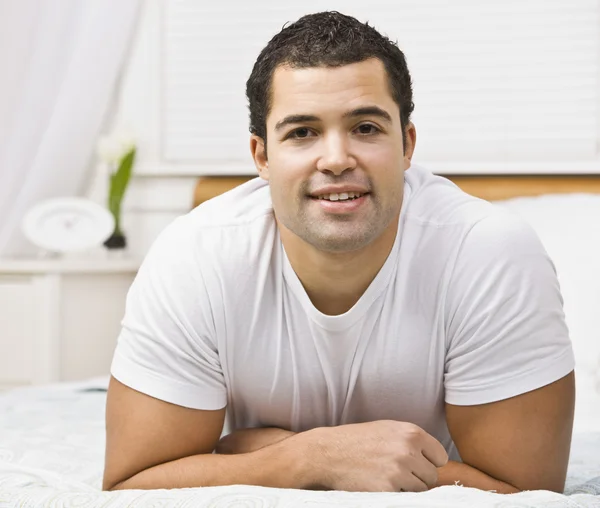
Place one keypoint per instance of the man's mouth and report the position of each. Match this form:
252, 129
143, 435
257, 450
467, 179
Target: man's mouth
342, 196
342, 203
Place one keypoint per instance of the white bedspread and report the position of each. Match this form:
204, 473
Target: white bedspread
52, 452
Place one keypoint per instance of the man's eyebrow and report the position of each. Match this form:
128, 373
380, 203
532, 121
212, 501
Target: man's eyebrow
369, 111
364, 111
291, 119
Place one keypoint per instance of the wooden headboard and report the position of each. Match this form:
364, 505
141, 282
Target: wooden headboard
489, 187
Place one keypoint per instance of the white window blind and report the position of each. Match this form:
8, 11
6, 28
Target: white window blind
507, 81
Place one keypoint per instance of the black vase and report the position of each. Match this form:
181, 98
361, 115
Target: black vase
116, 241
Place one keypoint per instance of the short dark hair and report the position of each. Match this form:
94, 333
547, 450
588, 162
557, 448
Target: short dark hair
326, 39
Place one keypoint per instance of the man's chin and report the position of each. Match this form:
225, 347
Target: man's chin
340, 244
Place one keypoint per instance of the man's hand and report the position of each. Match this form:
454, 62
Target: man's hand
376, 456
380, 456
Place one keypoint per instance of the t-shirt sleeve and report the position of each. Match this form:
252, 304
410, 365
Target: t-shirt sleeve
505, 325
167, 347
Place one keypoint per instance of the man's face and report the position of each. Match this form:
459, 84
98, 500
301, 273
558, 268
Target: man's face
334, 133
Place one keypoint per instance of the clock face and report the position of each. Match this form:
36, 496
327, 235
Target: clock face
68, 224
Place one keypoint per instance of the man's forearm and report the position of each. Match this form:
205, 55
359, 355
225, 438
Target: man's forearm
281, 465
243, 441
468, 476
249, 440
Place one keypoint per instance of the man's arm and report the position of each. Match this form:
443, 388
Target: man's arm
152, 444
522, 442
247, 440
250, 440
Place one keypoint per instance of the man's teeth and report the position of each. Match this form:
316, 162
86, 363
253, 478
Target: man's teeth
342, 196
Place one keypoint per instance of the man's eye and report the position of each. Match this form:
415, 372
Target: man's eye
367, 128
300, 133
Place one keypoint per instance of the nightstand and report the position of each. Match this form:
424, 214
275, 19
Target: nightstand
60, 319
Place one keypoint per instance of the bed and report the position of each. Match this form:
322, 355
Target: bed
52, 437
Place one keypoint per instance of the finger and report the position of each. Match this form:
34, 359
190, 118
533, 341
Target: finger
425, 471
410, 483
433, 451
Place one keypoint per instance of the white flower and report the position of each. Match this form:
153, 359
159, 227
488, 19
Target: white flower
113, 147
125, 139
109, 150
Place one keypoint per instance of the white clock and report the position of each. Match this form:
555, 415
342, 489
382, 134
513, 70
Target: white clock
68, 224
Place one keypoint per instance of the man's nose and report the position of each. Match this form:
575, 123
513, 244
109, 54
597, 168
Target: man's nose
336, 157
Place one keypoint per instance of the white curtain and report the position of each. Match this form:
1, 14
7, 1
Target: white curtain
60, 61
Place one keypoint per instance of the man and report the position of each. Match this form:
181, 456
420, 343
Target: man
365, 324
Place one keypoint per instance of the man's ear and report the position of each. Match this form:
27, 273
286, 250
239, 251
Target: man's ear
410, 137
259, 154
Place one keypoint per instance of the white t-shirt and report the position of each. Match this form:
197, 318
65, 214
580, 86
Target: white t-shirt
466, 310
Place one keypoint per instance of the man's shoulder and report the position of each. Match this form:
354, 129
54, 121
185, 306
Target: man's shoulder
224, 231
437, 202
440, 217
477, 233
241, 205
238, 215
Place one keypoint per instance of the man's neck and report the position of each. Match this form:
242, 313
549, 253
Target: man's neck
334, 282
